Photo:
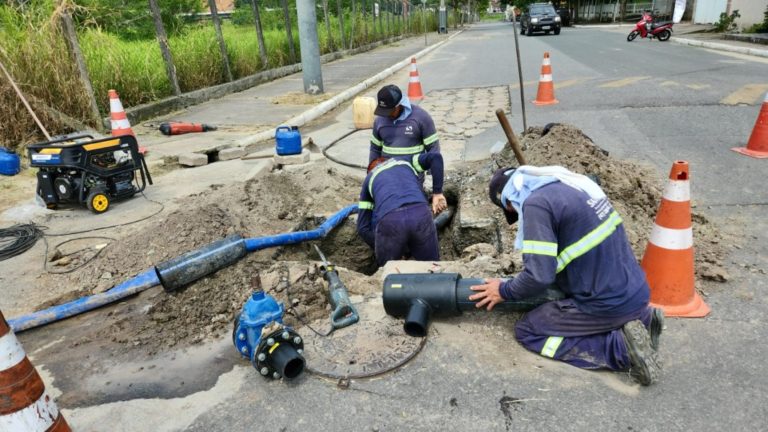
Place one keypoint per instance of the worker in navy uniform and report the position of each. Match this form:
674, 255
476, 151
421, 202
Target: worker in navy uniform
401, 130
572, 238
394, 217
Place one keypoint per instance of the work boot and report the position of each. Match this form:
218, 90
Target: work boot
656, 327
644, 362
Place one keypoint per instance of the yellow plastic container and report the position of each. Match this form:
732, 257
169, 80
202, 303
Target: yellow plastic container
362, 112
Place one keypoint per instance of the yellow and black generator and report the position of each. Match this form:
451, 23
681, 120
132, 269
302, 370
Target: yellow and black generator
86, 170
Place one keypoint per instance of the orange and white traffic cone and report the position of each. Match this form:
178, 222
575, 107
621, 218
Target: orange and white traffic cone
668, 259
119, 121
118, 118
757, 146
25, 405
414, 85
546, 93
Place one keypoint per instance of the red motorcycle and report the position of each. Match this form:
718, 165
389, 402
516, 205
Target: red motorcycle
647, 28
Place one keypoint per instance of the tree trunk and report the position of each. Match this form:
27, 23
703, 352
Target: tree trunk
162, 39
352, 25
340, 12
288, 31
328, 26
260, 33
220, 39
77, 55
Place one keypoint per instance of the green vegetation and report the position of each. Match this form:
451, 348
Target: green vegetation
760, 27
117, 40
727, 22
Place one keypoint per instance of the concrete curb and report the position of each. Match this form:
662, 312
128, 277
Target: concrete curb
721, 47
330, 104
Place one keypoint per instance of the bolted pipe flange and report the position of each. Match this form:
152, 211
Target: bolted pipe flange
283, 357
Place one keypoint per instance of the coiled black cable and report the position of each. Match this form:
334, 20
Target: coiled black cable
17, 239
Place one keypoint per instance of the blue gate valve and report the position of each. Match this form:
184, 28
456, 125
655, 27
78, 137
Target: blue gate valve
273, 348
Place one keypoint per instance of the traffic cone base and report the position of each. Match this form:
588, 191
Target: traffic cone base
668, 261
672, 290
757, 146
414, 84
546, 92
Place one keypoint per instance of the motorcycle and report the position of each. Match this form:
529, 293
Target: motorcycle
647, 28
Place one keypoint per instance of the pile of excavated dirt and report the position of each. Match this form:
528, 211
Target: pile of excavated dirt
298, 199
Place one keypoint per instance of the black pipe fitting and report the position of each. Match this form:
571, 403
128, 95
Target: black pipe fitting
420, 297
199, 263
279, 354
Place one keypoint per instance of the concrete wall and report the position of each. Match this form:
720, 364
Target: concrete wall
708, 11
751, 11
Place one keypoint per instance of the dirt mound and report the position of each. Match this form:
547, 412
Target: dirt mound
300, 198
634, 190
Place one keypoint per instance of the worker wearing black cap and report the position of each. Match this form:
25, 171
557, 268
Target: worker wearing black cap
400, 129
572, 238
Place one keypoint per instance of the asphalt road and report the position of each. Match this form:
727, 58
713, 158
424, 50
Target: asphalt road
646, 101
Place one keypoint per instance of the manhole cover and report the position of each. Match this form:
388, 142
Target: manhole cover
373, 346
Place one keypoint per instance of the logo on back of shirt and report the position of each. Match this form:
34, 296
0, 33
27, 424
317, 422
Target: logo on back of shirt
602, 207
409, 130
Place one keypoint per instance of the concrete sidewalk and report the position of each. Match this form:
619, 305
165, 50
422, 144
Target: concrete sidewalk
260, 109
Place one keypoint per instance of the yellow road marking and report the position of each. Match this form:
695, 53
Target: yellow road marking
568, 83
669, 84
623, 82
748, 94
698, 86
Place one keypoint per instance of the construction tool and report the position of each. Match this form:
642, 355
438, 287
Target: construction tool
343, 314
92, 171
178, 128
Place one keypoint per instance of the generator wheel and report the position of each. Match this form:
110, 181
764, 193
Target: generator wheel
98, 201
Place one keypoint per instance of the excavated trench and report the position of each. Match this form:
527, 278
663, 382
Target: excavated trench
299, 198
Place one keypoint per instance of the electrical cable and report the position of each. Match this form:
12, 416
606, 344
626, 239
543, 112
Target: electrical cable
18, 238
343, 380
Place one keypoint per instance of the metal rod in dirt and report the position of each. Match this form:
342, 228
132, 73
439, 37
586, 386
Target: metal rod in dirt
510, 136
24, 101
519, 69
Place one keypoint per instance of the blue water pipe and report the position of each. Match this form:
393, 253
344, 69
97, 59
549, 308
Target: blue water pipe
179, 271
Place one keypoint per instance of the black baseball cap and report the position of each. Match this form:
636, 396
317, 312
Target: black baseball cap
387, 99
496, 186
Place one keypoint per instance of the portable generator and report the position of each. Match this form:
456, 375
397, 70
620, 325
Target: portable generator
82, 169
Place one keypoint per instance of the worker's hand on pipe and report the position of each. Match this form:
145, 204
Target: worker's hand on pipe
439, 203
488, 294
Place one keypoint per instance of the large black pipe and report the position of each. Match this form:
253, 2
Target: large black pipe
194, 265
421, 296
286, 361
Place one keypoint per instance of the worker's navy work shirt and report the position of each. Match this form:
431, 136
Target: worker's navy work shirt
394, 184
578, 244
401, 139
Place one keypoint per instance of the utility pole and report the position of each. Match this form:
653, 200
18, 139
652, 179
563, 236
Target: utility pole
310, 47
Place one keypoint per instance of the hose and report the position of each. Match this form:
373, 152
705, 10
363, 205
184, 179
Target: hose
339, 161
150, 278
18, 239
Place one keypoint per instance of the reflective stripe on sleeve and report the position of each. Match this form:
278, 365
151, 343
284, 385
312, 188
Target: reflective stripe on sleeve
589, 241
551, 346
430, 139
416, 164
403, 150
376, 142
365, 205
540, 248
